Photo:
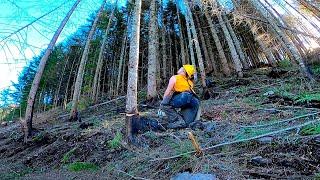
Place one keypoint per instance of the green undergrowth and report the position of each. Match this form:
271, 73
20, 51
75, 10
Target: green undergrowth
82, 166
116, 141
67, 156
250, 132
316, 69
311, 130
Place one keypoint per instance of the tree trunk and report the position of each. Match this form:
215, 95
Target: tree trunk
203, 44
236, 43
57, 93
131, 101
281, 35
100, 59
27, 122
164, 53
223, 59
183, 49
122, 57
315, 10
211, 55
234, 55
197, 46
190, 43
152, 54
65, 101
84, 58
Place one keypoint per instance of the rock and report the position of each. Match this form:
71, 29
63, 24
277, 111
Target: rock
260, 161
4, 123
269, 93
265, 140
190, 176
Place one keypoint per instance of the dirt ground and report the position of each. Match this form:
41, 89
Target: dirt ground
240, 110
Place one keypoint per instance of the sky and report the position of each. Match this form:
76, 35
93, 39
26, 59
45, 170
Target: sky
18, 49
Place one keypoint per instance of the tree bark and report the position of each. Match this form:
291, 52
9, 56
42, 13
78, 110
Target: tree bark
57, 93
234, 55
131, 100
204, 47
281, 35
152, 54
27, 122
122, 57
222, 56
236, 42
183, 49
100, 59
197, 46
311, 7
84, 58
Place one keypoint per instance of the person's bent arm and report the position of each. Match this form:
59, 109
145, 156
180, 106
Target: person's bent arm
168, 93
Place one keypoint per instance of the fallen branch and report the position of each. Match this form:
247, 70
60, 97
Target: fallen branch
282, 121
195, 144
238, 141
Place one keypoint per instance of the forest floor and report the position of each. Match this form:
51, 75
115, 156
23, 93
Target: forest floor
270, 127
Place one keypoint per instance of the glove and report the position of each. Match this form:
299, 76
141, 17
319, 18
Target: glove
165, 101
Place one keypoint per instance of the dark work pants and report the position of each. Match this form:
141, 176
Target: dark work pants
189, 105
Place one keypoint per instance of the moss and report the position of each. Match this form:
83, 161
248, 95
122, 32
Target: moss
82, 166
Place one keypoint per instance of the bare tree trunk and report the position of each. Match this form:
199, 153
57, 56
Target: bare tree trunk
281, 35
125, 64
223, 59
190, 43
131, 102
57, 93
211, 55
183, 49
203, 44
236, 43
178, 64
164, 53
100, 59
235, 57
84, 58
197, 46
152, 54
27, 122
122, 57
311, 7
65, 101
